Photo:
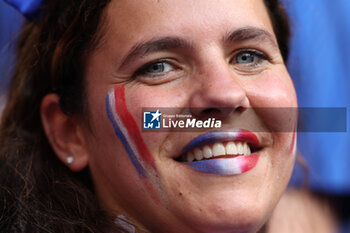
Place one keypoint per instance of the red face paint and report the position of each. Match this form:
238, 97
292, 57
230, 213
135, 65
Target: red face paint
134, 134
128, 132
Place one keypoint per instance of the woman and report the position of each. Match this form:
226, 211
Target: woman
74, 157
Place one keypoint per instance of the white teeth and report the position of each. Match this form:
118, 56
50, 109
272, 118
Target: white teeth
190, 156
207, 152
240, 148
231, 148
198, 154
246, 149
218, 149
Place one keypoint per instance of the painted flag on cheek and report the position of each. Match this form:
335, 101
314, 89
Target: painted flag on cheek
127, 130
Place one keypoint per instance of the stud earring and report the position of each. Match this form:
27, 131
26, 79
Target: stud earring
70, 159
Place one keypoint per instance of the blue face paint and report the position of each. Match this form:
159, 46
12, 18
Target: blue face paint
226, 166
122, 134
129, 134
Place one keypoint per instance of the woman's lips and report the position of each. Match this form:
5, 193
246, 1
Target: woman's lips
226, 166
223, 152
222, 136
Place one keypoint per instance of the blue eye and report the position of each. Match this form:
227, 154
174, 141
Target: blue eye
245, 58
248, 57
155, 68
159, 71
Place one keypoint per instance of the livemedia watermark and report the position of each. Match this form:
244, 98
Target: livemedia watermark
287, 119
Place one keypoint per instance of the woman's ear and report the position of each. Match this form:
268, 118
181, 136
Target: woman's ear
64, 134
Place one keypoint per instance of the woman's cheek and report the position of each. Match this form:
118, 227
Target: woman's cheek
273, 98
129, 102
272, 90
158, 96
139, 98
130, 135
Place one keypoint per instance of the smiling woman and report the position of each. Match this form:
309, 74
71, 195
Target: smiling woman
74, 157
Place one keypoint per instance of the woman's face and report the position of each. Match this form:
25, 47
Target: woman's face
217, 59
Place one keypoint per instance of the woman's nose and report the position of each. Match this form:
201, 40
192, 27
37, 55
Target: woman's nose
219, 93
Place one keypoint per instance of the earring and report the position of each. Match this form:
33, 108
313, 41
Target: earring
70, 159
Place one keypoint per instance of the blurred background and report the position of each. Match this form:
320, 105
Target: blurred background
319, 64
10, 24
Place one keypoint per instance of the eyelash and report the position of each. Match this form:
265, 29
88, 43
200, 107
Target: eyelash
142, 72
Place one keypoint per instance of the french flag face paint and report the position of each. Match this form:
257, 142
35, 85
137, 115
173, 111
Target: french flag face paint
225, 166
127, 130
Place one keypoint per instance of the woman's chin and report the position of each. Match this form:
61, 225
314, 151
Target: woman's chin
218, 217
213, 203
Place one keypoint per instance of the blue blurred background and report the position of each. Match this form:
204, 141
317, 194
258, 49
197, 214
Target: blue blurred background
10, 23
319, 64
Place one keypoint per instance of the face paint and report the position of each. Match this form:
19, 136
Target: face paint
127, 130
130, 136
228, 166
225, 166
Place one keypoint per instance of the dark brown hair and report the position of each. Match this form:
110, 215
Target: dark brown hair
39, 193
280, 23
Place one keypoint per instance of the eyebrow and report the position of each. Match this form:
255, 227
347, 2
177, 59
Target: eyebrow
156, 45
250, 33
169, 43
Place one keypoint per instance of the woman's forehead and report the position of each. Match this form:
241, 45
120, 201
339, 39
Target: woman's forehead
149, 18
200, 22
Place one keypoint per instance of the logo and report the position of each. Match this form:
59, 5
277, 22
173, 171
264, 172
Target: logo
175, 119
152, 120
